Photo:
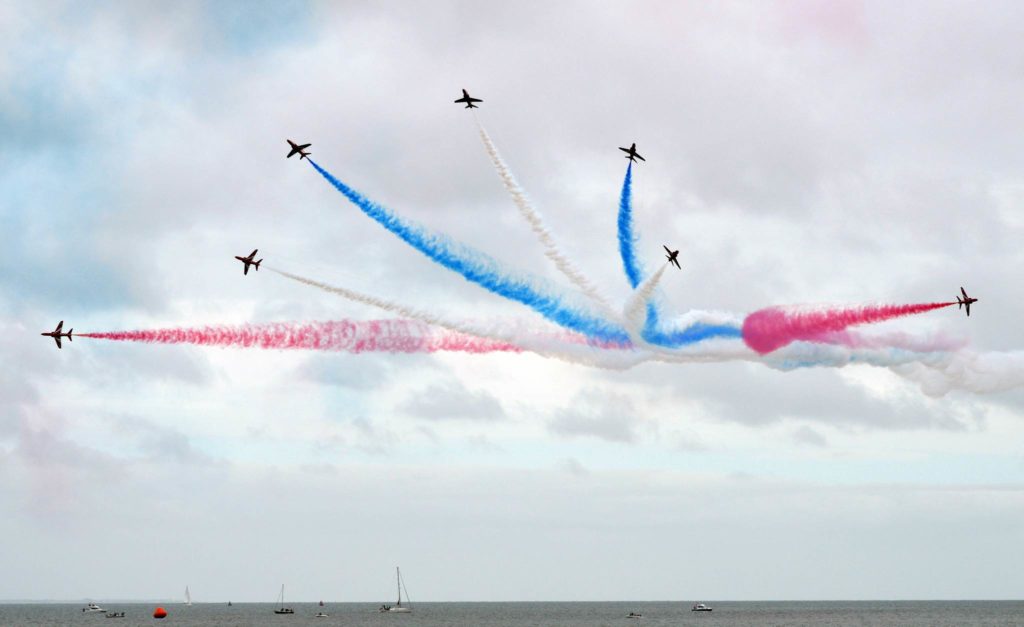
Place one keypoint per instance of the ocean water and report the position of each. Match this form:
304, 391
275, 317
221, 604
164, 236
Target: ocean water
797, 613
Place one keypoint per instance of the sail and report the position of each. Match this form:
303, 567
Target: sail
188, 597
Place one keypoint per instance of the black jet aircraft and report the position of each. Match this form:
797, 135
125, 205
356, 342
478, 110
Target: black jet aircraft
56, 334
966, 300
671, 256
469, 100
248, 261
297, 148
631, 153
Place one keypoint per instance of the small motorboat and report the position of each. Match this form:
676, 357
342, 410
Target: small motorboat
115, 614
700, 607
92, 607
321, 615
634, 615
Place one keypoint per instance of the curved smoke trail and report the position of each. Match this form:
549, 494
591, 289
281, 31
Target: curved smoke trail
772, 328
536, 222
391, 336
480, 268
566, 346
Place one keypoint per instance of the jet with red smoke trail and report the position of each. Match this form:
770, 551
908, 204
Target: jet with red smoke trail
248, 261
468, 100
672, 256
56, 334
631, 153
298, 149
966, 300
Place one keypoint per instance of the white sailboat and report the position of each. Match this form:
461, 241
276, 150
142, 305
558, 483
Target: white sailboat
280, 601
398, 608
188, 597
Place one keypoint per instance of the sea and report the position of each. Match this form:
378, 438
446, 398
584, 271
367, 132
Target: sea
554, 614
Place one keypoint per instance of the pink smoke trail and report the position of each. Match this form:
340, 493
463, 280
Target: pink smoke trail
390, 336
772, 328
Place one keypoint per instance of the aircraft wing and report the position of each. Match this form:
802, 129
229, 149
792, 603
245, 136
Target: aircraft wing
962, 291
637, 155
253, 253
666, 249
304, 146
60, 325
246, 271
968, 310
676, 261
56, 338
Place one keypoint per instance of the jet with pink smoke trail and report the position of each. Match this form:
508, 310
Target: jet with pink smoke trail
770, 329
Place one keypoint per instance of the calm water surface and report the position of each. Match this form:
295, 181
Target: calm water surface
832, 613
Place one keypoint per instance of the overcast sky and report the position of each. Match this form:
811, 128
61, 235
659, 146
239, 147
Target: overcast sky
797, 152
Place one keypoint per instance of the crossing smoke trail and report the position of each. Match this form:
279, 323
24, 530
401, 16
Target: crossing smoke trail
536, 222
390, 336
566, 346
479, 268
641, 297
654, 331
772, 328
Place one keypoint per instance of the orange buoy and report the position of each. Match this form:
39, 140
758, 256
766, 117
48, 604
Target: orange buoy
159, 613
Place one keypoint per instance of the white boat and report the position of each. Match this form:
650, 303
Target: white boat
280, 601
398, 608
188, 597
92, 607
700, 607
321, 615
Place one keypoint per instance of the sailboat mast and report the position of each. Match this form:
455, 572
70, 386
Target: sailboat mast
398, 582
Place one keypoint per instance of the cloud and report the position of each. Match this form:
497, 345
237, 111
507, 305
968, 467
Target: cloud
611, 417
806, 435
453, 401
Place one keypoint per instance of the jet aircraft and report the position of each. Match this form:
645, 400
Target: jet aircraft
469, 100
248, 261
56, 334
297, 148
671, 256
966, 300
631, 153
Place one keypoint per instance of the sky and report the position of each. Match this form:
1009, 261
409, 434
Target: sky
797, 153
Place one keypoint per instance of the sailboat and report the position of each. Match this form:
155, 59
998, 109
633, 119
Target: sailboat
398, 607
283, 609
188, 597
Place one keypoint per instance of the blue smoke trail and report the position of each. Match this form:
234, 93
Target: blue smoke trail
479, 268
652, 331
627, 238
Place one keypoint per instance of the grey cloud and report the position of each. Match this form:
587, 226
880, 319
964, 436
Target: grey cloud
453, 401
806, 435
159, 441
610, 417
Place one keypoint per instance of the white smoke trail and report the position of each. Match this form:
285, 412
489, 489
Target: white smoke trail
968, 370
557, 344
637, 304
937, 370
533, 217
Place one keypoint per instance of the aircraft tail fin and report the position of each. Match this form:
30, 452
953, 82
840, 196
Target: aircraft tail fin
257, 263
70, 331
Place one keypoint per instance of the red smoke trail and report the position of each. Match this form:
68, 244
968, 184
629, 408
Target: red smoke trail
391, 336
772, 328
